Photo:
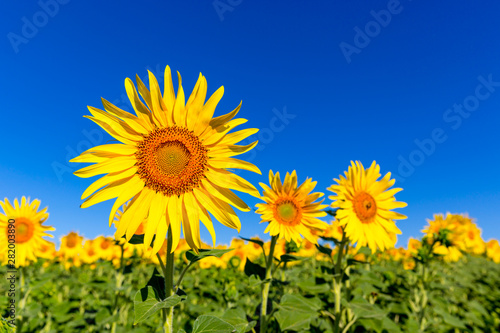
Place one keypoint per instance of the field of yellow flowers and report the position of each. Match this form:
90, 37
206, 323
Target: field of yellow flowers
329, 266
94, 285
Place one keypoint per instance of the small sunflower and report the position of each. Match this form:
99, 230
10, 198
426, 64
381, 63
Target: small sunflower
171, 162
26, 231
105, 246
290, 210
493, 250
47, 251
71, 248
365, 205
90, 253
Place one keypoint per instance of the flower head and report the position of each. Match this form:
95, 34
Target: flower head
22, 225
365, 205
171, 162
291, 210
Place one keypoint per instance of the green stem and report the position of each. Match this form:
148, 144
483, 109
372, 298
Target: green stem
119, 282
337, 284
423, 296
178, 284
20, 322
168, 272
266, 286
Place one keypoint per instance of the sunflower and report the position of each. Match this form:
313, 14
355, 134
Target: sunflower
454, 234
22, 225
47, 251
105, 247
171, 162
90, 253
71, 248
493, 250
290, 210
365, 205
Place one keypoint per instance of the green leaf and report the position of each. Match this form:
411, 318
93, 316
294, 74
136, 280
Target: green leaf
254, 269
323, 249
328, 270
206, 323
296, 312
238, 318
138, 239
449, 318
390, 326
256, 241
310, 286
370, 324
147, 302
157, 281
363, 309
203, 253
291, 257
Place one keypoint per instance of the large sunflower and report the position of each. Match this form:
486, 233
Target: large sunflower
290, 210
365, 205
171, 162
27, 230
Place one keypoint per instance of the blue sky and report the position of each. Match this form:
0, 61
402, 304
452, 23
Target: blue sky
414, 86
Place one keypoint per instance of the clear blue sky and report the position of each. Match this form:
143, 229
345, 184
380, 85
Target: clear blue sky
358, 81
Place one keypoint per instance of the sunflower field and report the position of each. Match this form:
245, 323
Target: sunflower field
330, 266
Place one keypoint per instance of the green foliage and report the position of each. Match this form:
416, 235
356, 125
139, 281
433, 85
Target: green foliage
295, 312
6, 327
193, 257
377, 297
147, 302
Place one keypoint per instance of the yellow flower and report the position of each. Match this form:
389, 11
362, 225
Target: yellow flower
47, 251
90, 254
454, 234
171, 162
413, 246
493, 250
105, 247
365, 205
25, 232
333, 230
290, 210
71, 248
472, 241
409, 263
209, 262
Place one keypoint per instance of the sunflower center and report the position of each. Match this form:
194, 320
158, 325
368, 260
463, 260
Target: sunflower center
105, 244
172, 157
24, 230
286, 212
71, 241
365, 207
171, 160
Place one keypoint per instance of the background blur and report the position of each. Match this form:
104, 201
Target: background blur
413, 86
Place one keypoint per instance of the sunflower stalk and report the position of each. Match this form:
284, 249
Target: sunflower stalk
119, 282
168, 273
266, 286
337, 284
